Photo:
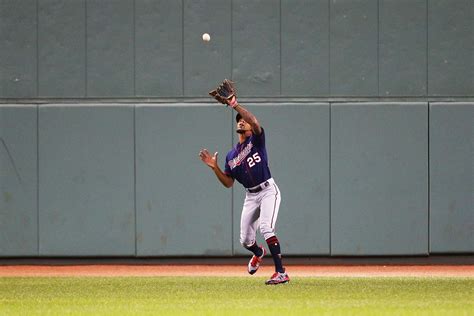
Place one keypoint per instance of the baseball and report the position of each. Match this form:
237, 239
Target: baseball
206, 37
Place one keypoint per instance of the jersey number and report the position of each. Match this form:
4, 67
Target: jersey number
253, 160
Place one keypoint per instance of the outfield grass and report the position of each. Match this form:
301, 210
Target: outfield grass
236, 296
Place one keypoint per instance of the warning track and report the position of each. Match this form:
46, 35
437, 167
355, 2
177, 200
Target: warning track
122, 270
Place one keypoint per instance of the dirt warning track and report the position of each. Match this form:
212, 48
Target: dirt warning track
118, 270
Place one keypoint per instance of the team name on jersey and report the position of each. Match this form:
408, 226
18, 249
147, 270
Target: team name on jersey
240, 157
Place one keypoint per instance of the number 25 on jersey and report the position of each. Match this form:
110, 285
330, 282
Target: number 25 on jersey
255, 158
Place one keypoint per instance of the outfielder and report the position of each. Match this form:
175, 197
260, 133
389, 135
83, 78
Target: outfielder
247, 163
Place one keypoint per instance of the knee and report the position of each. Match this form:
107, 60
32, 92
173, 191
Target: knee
246, 242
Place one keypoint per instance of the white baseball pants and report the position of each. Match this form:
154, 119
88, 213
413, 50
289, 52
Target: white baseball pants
260, 210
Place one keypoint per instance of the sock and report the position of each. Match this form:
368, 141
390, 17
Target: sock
274, 246
255, 249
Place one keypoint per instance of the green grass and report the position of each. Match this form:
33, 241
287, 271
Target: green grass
235, 296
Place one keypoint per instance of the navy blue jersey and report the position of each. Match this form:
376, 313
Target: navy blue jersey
248, 162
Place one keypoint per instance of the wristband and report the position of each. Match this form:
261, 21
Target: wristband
233, 102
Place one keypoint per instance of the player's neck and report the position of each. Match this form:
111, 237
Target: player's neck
244, 136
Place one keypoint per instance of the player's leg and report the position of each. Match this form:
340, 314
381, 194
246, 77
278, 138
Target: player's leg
248, 229
248, 225
269, 207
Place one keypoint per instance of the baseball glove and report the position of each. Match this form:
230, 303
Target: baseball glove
225, 93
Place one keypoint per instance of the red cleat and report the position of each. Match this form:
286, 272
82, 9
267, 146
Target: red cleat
255, 262
278, 278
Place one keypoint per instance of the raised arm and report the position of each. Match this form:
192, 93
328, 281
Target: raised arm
246, 115
226, 93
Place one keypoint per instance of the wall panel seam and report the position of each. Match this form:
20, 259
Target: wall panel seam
37, 47
378, 47
85, 49
330, 175
182, 48
37, 182
280, 50
231, 40
134, 50
231, 125
427, 50
135, 177
329, 48
429, 180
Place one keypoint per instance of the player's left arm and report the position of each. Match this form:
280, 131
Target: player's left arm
226, 93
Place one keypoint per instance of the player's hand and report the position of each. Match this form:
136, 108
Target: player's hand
209, 160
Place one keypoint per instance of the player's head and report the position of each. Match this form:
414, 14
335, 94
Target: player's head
242, 127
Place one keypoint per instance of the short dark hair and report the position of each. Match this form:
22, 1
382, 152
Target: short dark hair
238, 117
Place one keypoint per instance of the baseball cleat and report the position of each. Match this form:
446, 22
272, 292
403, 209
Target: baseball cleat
278, 278
255, 261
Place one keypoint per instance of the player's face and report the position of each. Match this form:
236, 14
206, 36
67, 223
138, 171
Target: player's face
243, 127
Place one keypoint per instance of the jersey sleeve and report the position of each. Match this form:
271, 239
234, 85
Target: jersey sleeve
259, 140
227, 170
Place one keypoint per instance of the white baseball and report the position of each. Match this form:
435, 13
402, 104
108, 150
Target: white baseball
206, 37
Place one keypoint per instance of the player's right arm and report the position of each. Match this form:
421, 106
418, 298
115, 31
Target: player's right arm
247, 116
211, 162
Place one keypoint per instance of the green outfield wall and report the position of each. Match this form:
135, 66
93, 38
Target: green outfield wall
271, 48
125, 180
368, 107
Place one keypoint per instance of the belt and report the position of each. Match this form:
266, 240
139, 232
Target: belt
258, 188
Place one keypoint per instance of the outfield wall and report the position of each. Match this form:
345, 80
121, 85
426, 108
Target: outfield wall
143, 48
103, 109
125, 180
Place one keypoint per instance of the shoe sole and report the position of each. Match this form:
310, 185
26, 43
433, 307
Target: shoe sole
276, 283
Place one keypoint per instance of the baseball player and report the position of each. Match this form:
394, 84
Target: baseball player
247, 163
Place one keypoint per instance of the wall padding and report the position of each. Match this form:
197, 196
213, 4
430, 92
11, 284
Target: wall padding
379, 179
86, 180
451, 177
18, 180
182, 209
